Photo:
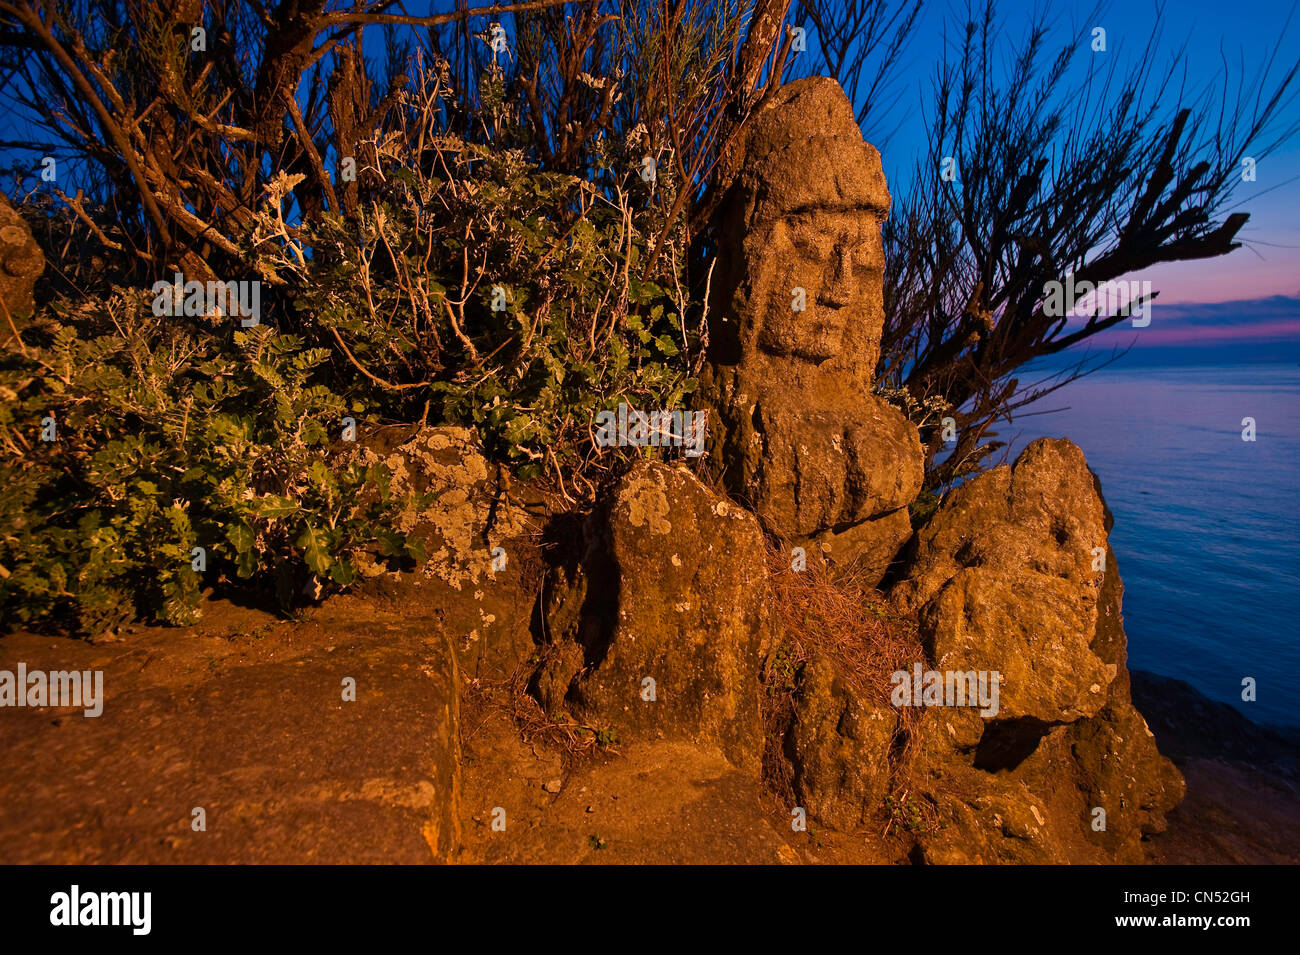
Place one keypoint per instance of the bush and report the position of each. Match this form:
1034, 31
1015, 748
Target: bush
177, 433
499, 297
171, 437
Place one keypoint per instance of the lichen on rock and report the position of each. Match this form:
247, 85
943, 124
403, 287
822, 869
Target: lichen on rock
455, 505
681, 603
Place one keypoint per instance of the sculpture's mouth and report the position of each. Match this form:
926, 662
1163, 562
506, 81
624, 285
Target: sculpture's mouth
820, 339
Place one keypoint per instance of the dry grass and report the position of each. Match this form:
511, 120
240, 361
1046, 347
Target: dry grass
836, 614
573, 740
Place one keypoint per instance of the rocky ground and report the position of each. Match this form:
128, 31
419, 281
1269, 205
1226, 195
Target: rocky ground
500, 713
242, 715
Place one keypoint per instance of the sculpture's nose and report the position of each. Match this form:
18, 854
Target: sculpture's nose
835, 291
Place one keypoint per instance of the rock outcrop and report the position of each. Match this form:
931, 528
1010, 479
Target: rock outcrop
1014, 576
1006, 578
658, 632
333, 741
1011, 579
839, 748
797, 433
475, 539
21, 264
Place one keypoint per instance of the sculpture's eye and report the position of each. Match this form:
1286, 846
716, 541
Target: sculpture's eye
863, 264
806, 245
859, 257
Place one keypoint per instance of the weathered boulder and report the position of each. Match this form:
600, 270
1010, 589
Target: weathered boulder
464, 515
659, 631
1121, 769
870, 547
1014, 575
839, 748
797, 433
475, 539
21, 264
1004, 581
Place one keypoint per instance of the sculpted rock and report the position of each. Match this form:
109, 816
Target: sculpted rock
1086, 792
797, 433
805, 212
672, 588
1003, 581
818, 470
840, 748
21, 263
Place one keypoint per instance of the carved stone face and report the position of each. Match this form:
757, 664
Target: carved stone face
800, 437
834, 256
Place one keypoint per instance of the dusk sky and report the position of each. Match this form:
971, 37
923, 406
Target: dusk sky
1268, 264
1213, 32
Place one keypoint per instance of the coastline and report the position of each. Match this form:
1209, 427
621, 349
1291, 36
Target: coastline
1243, 779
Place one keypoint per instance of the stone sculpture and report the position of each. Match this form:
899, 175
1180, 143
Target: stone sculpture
797, 433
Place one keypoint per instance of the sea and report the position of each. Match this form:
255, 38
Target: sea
1207, 532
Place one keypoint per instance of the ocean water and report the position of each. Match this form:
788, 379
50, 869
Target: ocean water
1206, 529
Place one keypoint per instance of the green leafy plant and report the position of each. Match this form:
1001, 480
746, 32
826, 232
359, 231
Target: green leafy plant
907, 813
478, 289
468, 285
169, 438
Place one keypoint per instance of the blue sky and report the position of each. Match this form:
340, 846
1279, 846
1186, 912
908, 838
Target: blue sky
1268, 264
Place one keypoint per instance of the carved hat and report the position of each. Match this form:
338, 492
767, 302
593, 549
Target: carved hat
804, 152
